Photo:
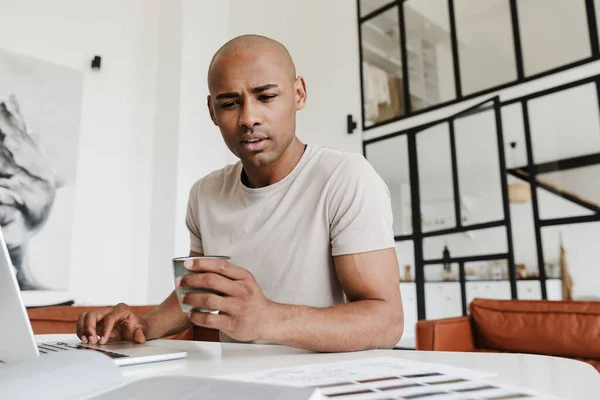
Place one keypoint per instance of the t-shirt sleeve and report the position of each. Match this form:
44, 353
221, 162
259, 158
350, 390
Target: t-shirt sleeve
192, 221
359, 208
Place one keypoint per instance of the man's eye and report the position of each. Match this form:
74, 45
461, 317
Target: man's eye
230, 104
267, 97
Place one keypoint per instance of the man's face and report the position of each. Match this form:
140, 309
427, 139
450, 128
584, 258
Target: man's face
27, 182
253, 100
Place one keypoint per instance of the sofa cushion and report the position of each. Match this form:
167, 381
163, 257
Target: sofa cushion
452, 334
559, 328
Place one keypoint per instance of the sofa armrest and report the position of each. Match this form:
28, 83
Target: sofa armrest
451, 334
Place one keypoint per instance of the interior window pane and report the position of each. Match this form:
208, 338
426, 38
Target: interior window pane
441, 272
478, 168
408, 291
390, 159
429, 53
382, 68
519, 193
580, 256
443, 300
553, 33
493, 270
565, 124
435, 179
485, 44
405, 252
523, 229
488, 290
569, 193
368, 6
513, 129
576, 182
472, 243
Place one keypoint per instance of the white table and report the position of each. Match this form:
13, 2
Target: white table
565, 378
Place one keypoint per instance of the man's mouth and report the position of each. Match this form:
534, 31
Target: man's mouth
254, 144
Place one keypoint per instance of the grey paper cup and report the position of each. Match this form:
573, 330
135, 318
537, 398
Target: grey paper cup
179, 270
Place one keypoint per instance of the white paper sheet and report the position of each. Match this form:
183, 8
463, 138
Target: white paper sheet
371, 368
389, 378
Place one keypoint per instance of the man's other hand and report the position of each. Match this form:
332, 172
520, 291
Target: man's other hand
111, 324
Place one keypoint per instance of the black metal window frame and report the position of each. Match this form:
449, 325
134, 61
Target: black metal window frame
418, 235
459, 97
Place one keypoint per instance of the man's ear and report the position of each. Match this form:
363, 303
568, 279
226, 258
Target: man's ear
211, 111
300, 92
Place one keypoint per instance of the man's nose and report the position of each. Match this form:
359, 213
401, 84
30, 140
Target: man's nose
250, 115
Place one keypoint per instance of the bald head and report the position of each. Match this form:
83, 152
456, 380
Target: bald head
251, 46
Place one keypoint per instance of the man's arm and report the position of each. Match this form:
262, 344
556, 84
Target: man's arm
373, 318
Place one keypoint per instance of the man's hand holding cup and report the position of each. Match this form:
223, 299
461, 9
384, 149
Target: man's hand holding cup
220, 295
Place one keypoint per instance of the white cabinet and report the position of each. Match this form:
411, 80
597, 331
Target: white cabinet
529, 290
442, 300
554, 289
488, 290
408, 291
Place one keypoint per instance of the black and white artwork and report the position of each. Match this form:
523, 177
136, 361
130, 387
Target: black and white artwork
40, 108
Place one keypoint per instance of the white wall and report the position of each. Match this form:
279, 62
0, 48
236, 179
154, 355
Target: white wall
112, 197
166, 140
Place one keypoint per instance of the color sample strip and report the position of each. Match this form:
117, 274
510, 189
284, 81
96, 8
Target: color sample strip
396, 387
422, 375
475, 389
446, 382
330, 385
349, 393
387, 378
422, 395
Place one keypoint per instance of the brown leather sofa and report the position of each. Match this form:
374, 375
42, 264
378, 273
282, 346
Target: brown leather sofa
557, 328
62, 319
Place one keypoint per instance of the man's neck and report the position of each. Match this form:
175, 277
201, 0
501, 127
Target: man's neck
261, 177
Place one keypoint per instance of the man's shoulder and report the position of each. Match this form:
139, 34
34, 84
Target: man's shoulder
333, 162
217, 179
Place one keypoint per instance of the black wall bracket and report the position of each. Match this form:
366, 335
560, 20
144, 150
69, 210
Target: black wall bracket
96, 62
350, 124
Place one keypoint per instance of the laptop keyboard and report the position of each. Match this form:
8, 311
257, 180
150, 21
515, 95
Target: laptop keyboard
47, 348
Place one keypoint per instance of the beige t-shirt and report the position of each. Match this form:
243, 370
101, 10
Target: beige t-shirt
286, 234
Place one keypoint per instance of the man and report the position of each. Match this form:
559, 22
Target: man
305, 226
27, 188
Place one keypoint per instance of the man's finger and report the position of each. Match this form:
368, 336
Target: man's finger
138, 335
108, 324
79, 327
91, 321
209, 320
209, 301
217, 266
211, 281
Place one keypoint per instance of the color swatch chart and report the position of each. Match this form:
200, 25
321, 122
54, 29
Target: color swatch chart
386, 378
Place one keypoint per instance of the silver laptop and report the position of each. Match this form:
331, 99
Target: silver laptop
17, 341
